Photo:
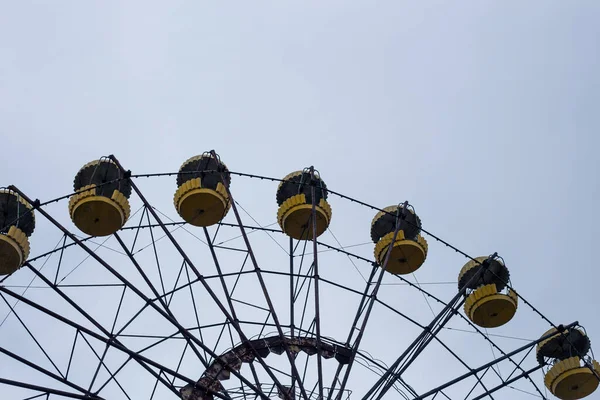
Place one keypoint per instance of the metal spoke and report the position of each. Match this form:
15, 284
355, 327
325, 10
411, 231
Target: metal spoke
47, 390
207, 288
369, 307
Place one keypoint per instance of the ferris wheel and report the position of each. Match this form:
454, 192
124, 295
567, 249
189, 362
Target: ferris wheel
118, 297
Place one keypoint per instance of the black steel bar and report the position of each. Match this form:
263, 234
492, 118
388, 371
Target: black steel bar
207, 288
378, 301
508, 382
371, 302
304, 307
127, 283
421, 347
167, 310
154, 389
43, 371
404, 280
351, 291
172, 292
233, 319
425, 333
250, 305
292, 302
426, 338
62, 251
316, 278
100, 365
224, 325
190, 339
305, 277
132, 319
519, 363
142, 360
196, 316
177, 223
254, 228
382, 303
220, 274
264, 290
162, 340
228, 248
486, 337
162, 283
479, 382
37, 396
72, 353
206, 277
114, 325
138, 228
477, 330
12, 309
46, 390
112, 341
361, 306
112, 329
496, 361
228, 295
353, 327
292, 311
113, 375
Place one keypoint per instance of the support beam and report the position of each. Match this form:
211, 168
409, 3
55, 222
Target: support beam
132, 287
364, 297
49, 390
209, 291
143, 361
313, 193
491, 363
261, 281
228, 295
508, 382
44, 371
418, 345
292, 304
372, 298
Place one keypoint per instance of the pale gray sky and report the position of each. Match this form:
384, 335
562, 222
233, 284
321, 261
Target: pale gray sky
483, 114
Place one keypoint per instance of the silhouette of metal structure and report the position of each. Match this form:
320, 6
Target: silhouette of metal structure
249, 329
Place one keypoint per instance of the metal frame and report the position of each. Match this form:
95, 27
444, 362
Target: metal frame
298, 282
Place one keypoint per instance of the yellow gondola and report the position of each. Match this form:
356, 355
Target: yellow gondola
294, 197
100, 206
572, 375
489, 303
201, 198
409, 250
17, 223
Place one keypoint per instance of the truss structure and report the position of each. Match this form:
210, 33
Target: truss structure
160, 306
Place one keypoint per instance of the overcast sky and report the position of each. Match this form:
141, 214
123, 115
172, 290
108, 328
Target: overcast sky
483, 114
